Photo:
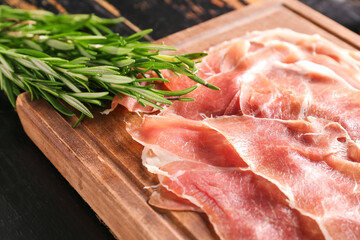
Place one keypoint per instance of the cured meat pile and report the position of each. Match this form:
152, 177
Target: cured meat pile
274, 154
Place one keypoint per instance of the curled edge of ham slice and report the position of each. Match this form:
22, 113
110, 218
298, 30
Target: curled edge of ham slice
165, 199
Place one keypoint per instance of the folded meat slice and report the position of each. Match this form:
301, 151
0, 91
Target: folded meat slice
173, 137
211, 103
197, 163
294, 91
252, 53
271, 158
313, 162
240, 204
279, 74
208, 102
314, 45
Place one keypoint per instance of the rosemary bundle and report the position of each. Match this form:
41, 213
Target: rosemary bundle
76, 58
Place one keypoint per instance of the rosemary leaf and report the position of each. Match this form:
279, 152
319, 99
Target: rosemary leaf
8, 88
76, 104
149, 95
117, 79
95, 70
175, 93
89, 95
115, 50
60, 45
56, 104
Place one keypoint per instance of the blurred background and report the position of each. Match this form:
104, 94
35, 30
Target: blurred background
36, 202
169, 16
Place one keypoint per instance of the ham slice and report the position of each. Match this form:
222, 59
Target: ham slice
211, 103
173, 137
274, 154
311, 162
239, 203
251, 54
280, 74
294, 91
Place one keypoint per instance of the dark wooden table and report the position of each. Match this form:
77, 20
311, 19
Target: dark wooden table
36, 202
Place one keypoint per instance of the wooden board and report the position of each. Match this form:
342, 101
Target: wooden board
102, 162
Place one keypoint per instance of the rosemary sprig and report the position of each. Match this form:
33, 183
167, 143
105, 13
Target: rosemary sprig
76, 58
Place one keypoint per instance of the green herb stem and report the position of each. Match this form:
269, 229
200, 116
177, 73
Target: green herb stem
75, 58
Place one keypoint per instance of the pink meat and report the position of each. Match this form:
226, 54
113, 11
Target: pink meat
211, 103
189, 158
186, 140
288, 91
130, 103
240, 204
284, 163
299, 76
312, 162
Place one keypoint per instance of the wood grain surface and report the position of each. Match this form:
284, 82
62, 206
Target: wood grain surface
102, 162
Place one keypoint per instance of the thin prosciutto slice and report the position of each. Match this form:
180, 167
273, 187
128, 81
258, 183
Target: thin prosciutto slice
294, 91
253, 53
239, 203
211, 103
274, 154
279, 74
313, 162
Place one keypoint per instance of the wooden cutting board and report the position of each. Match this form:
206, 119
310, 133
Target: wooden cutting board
102, 162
